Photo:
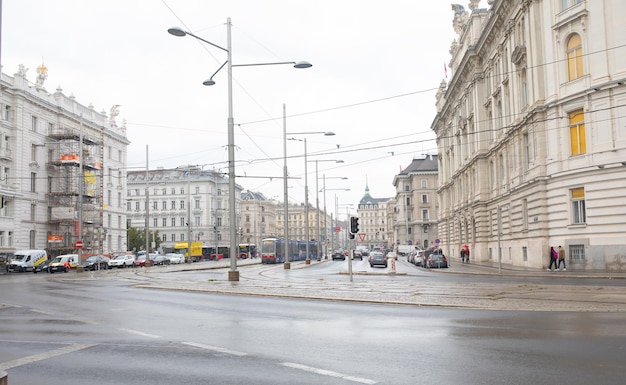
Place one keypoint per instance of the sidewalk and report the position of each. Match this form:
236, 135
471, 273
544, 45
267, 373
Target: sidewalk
403, 289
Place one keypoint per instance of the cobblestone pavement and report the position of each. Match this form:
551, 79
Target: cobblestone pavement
485, 294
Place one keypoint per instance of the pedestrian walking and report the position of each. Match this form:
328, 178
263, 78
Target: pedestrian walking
553, 259
562, 259
462, 255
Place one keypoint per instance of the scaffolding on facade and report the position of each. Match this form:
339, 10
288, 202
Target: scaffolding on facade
75, 190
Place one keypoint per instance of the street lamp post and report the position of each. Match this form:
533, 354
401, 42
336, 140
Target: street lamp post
233, 274
317, 205
287, 264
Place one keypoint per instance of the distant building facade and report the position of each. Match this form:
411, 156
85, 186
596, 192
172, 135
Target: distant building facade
258, 217
60, 170
531, 133
181, 204
416, 203
373, 221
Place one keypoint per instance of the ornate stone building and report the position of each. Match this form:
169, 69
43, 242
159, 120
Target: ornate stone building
60, 165
373, 221
258, 217
416, 204
531, 133
181, 204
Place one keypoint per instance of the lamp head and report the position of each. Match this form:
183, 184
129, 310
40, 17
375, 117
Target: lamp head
209, 82
329, 133
302, 64
176, 31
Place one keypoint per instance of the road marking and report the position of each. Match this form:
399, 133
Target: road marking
329, 373
43, 356
137, 332
215, 348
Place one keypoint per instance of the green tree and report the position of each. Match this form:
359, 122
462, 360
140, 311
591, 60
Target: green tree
136, 239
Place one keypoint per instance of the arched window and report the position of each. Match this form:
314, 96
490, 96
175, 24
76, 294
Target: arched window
574, 57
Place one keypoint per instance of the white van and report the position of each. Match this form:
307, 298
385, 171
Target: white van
25, 260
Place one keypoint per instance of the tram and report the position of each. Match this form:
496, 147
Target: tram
273, 250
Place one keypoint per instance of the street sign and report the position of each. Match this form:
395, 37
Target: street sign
338, 229
361, 237
79, 244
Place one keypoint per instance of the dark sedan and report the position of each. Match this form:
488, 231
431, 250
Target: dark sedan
161, 260
96, 262
436, 260
377, 259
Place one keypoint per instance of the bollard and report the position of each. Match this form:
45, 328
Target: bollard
393, 265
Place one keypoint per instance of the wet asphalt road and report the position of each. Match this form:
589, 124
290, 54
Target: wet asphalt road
103, 329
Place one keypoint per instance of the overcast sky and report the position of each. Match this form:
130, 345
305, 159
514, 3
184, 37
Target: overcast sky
376, 68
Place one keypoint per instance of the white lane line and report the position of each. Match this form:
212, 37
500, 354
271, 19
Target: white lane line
43, 356
329, 373
215, 348
137, 332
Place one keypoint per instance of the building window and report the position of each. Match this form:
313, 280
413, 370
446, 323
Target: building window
182, 222
197, 203
197, 189
129, 206
219, 191
164, 237
164, 205
155, 205
182, 205
164, 220
173, 190
527, 153
33, 209
136, 206
524, 214
33, 181
425, 215
579, 213
218, 221
155, 222
569, 3
577, 132
31, 239
198, 221
424, 198
182, 191
574, 57
523, 88
33, 152
34, 124
173, 222
10, 239
577, 253
173, 205
407, 187
182, 237
408, 201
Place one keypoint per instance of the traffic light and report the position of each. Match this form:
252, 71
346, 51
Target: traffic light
354, 225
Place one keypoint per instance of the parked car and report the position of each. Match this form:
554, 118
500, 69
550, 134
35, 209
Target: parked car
419, 258
63, 263
377, 259
175, 258
160, 260
436, 260
339, 254
122, 261
96, 262
42, 267
140, 261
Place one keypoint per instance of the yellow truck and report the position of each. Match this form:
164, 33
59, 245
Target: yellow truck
196, 250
